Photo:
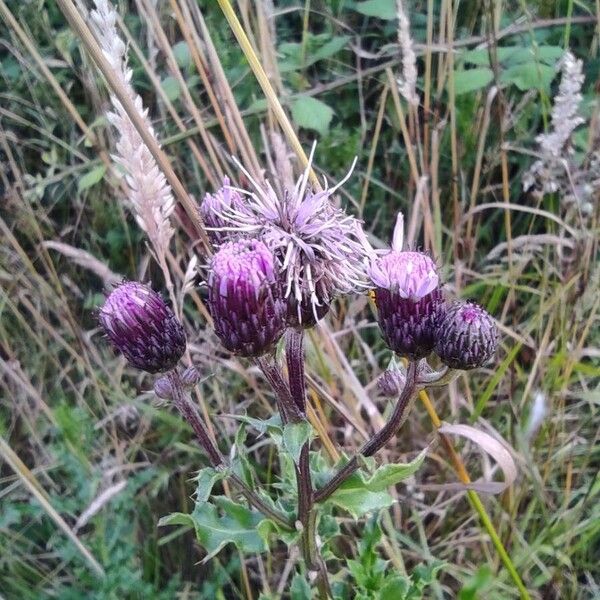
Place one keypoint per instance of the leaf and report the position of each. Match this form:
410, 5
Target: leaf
513, 55
529, 76
170, 87
270, 425
333, 46
358, 501
395, 588
391, 474
311, 113
318, 47
222, 523
383, 9
205, 481
470, 80
362, 493
182, 54
91, 178
494, 448
295, 435
300, 590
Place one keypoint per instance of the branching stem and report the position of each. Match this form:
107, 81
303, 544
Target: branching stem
397, 419
183, 403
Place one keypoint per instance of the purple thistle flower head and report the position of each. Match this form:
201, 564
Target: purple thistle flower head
245, 298
408, 298
214, 206
142, 327
320, 251
467, 336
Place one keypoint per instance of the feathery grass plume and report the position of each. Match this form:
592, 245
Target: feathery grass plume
149, 192
550, 173
321, 251
407, 82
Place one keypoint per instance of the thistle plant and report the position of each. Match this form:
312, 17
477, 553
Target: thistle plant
271, 278
281, 260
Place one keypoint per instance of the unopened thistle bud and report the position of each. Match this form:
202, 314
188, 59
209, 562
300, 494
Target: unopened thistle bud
216, 210
143, 328
245, 297
467, 336
408, 298
392, 381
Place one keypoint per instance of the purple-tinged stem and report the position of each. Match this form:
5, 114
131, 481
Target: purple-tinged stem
189, 411
289, 411
373, 445
294, 352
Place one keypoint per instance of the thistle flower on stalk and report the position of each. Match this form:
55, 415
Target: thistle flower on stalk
143, 328
320, 251
408, 298
245, 298
467, 336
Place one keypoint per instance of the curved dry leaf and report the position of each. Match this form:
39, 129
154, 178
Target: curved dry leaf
490, 445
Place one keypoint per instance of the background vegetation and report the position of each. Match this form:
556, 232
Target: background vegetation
90, 460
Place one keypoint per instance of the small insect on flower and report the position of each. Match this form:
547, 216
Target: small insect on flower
408, 298
245, 298
143, 328
467, 336
320, 251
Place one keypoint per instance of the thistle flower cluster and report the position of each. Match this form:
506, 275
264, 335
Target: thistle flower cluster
319, 251
279, 263
415, 318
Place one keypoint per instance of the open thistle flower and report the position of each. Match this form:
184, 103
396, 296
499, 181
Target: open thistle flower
320, 251
467, 336
142, 327
408, 298
212, 208
245, 299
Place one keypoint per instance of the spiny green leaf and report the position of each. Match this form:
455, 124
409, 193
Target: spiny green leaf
300, 590
311, 113
224, 522
91, 178
205, 480
359, 501
295, 435
393, 473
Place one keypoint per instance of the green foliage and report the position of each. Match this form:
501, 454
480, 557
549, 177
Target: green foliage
295, 435
311, 113
222, 522
361, 494
383, 9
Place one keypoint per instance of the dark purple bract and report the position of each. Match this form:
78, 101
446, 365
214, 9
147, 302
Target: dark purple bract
143, 328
